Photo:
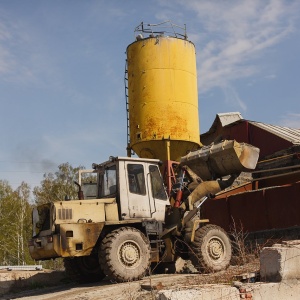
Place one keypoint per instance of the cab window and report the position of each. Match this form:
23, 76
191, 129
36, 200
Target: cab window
157, 187
108, 182
89, 185
136, 179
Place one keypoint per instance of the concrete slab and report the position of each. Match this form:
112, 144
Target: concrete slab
274, 291
10, 280
201, 293
280, 262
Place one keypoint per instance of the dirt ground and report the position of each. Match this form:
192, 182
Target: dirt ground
139, 290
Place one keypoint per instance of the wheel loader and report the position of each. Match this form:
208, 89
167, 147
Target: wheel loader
124, 225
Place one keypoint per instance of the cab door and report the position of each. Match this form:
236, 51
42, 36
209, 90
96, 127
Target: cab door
157, 193
139, 204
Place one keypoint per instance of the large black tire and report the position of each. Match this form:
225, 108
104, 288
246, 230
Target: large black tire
211, 250
83, 269
125, 254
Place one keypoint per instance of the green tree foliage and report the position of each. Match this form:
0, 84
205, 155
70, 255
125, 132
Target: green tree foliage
15, 224
15, 212
57, 186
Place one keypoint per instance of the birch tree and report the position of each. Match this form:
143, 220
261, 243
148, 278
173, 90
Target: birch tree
15, 220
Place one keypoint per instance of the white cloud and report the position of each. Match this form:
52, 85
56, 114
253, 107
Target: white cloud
233, 36
291, 120
232, 97
244, 31
271, 76
7, 58
20, 61
7, 61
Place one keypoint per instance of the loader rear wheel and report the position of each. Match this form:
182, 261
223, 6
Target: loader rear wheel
125, 254
84, 269
211, 250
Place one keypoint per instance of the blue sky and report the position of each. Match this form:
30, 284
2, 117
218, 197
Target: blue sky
62, 70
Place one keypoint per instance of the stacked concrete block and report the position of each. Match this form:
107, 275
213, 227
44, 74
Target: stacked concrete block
281, 262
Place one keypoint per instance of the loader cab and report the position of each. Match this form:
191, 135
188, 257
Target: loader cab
141, 190
136, 184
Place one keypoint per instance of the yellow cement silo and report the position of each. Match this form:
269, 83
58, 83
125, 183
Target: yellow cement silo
163, 97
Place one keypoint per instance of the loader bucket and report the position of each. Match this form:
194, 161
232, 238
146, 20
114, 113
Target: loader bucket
221, 159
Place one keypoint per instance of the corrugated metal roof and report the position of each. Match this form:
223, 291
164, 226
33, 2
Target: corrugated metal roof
229, 119
224, 119
290, 134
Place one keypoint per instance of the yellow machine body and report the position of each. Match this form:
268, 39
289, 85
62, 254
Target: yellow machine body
163, 97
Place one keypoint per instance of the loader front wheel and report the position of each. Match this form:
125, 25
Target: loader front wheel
211, 250
125, 254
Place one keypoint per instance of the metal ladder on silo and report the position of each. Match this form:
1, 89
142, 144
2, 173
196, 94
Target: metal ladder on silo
127, 108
